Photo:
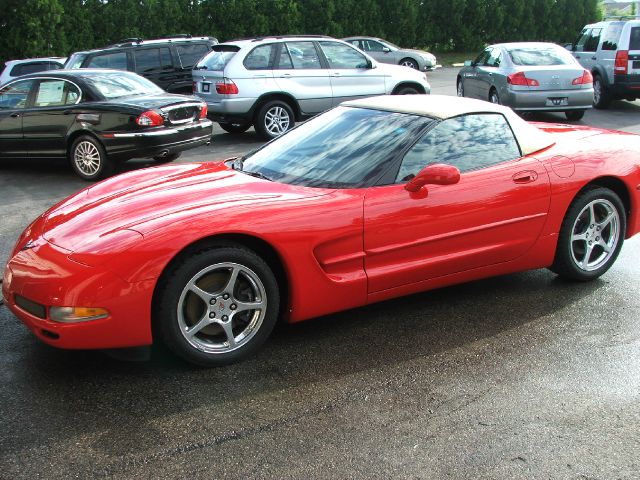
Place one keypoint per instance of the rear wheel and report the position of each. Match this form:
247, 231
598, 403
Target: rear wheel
217, 306
89, 159
493, 96
274, 118
235, 127
574, 115
591, 235
601, 94
460, 88
409, 62
407, 91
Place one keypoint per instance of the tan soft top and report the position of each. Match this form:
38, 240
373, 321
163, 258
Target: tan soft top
530, 138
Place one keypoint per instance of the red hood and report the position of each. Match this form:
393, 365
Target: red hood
121, 205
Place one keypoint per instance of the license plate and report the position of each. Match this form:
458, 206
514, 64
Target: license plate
636, 64
206, 87
557, 101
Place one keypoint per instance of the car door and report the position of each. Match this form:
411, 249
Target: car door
156, 64
587, 46
493, 214
14, 98
49, 117
470, 77
351, 72
300, 72
487, 71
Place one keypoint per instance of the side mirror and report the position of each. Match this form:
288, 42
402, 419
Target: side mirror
370, 65
436, 174
468, 63
569, 46
386, 49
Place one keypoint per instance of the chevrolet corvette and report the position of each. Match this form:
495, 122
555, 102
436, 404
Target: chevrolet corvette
374, 199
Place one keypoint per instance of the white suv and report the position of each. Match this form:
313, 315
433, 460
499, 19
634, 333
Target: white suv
272, 82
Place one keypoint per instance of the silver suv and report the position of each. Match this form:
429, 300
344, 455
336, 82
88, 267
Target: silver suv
272, 82
611, 51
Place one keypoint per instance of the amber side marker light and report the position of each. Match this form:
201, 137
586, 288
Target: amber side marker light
76, 314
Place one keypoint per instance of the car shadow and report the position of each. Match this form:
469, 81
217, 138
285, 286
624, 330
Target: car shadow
91, 392
620, 114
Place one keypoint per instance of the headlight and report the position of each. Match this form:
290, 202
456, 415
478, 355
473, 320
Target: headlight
76, 314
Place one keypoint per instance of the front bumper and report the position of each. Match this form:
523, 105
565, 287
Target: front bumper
45, 276
531, 100
153, 142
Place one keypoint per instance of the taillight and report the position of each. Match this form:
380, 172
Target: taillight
203, 111
150, 119
622, 62
519, 78
585, 79
226, 87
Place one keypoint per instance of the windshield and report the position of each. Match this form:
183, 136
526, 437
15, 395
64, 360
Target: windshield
392, 46
218, 58
75, 61
120, 84
536, 56
343, 148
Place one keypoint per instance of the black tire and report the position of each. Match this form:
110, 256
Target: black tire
583, 233
407, 90
89, 159
574, 115
460, 88
494, 97
178, 309
601, 94
168, 158
266, 122
235, 127
409, 62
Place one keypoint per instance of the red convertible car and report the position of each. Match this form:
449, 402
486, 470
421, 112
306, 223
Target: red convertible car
372, 200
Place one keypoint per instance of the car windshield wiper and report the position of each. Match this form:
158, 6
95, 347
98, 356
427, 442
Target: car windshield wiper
257, 175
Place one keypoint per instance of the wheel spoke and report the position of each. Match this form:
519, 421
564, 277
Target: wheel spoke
231, 283
228, 331
607, 220
587, 255
592, 214
204, 321
576, 237
243, 306
605, 246
204, 296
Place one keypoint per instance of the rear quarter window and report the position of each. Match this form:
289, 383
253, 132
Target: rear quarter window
634, 38
190, 53
260, 58
612, 36
33, 67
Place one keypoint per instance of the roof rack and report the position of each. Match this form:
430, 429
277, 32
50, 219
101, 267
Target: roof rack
621, 17
128, 42
258, 39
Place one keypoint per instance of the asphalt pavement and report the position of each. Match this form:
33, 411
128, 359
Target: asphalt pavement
519, 376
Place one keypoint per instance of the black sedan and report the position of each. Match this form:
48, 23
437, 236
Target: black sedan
97, 118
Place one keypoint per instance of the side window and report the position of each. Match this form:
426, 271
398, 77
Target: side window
612, 36
494, 58
31, 67
343, 56
147, 60
481, 60
634, 38
260, 58
357, 44
304, 55
189, 54
15, 95
284, 60
582, 39
591, 45
117, 60
469, 142
51, 93
374, 46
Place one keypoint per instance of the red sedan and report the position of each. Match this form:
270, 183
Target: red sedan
372, 200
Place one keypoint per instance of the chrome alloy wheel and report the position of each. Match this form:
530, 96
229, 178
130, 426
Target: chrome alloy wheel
221, 308
87, 158
494, 98
460, 89
595, 235
277, 120
597, 91
409, 63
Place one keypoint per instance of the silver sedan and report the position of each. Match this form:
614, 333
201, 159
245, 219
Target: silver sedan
528, 77
386, 52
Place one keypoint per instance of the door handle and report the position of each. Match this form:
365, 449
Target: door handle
14, 115
577, 56
285, 75
525, 177
67, 112
594, 58
336, 74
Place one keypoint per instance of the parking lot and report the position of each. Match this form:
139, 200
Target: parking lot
520, 376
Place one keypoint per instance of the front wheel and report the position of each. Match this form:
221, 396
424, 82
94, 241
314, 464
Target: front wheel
407, 91
89, 159
574, 115
494, 97
274, 119
409, 62
217, 306
460, 88
591, 235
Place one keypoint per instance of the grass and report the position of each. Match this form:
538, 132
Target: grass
447, 59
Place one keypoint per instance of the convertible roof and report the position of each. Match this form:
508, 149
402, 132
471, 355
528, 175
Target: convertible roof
441, 107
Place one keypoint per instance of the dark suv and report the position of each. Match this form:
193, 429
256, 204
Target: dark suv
167, 62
